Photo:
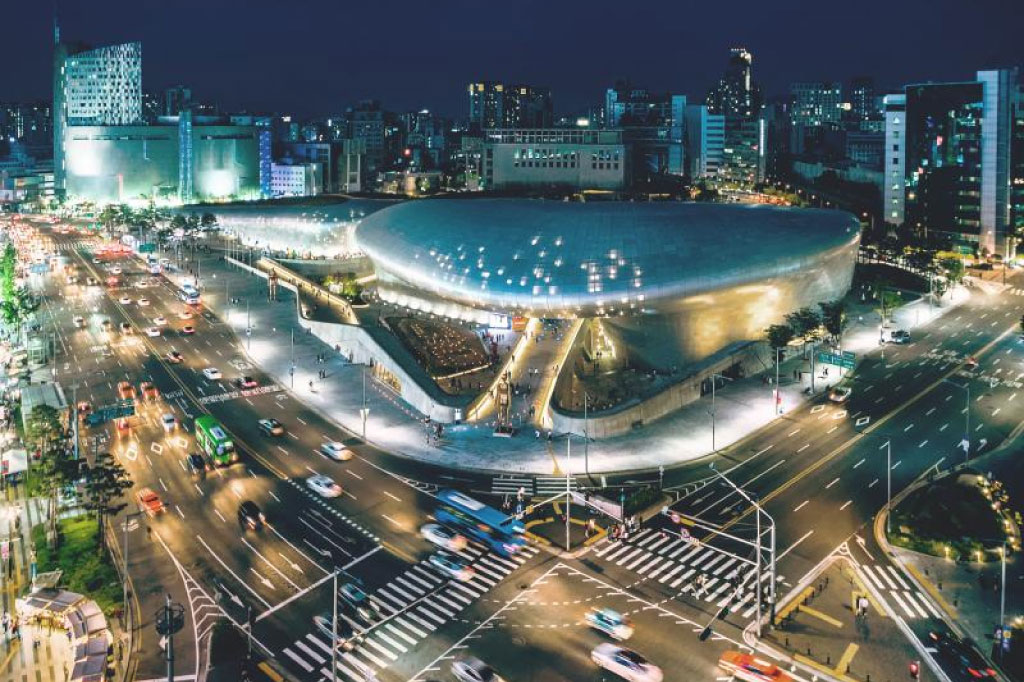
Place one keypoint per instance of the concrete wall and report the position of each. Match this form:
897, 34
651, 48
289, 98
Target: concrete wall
623, 419
360, 347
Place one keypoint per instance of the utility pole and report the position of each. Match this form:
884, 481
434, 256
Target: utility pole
888, 485
334, 629
248, 327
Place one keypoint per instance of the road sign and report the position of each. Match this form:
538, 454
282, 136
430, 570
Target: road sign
147, 248
846, 360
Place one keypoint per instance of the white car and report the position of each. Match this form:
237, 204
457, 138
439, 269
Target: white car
336, 451
324, 486
152, 331
141, 284
445, 538
452, 566
143, 301
115, 270
840, 394
610, 622
124, 300
627, 664
168, 421
160, 320
212, 373
474, 670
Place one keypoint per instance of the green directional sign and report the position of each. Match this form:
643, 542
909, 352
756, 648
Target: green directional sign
122, 408
847, 360
147, 248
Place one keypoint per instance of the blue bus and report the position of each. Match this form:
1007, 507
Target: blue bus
500, 532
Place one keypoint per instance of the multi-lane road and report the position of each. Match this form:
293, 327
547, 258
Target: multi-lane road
820, 471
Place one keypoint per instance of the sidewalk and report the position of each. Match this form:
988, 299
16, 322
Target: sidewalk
820, 630
742, 406
39, 655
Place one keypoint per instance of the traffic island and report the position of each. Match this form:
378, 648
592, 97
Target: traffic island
819, 628
956, 517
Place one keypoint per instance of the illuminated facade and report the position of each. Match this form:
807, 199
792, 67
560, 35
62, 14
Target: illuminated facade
705, 275
181, 162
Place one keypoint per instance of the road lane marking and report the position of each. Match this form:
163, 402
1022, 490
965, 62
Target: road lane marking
801, 505
793, 433
864, 459
872, 484
228, 569
353, 474
896, 464
393, 497
943, 427
834, 481
846, 504
929, 412
910, 426
923, 443
804, 447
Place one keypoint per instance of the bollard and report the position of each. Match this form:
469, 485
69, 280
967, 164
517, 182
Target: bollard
940, 585
787, 642
828, 659
808, 652
868, 677
826, 580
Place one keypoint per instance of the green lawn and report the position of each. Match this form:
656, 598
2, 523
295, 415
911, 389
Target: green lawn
86, 569
949, 513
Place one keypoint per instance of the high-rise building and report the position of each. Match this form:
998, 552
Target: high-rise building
176, 100
862, 99
705, 140
736, 94
653, 127
1017, 167
93, 87
738, 99
499, 105
816, 103
949, 159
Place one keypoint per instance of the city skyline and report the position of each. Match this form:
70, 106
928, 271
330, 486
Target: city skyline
304, 71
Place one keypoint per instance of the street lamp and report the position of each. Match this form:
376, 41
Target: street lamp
771, 522
966, 442
714, 377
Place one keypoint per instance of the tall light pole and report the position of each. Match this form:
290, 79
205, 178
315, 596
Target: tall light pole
291, 368
568, 488
771, 549
888, 484
248, 326
334, 629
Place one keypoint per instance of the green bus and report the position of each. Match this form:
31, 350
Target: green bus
214, 441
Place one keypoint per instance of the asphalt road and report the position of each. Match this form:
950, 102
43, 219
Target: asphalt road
819, 471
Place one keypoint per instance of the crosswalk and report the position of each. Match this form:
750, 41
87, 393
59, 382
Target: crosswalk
1015, 291
76, 245
676, 563
889, 581
413, 605
541, 486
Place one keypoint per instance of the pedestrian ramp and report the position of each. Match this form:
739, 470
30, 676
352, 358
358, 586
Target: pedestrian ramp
413, 605
700, 571
910, 602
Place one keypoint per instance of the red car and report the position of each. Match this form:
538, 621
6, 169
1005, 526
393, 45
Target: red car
150, 502
246, 382
149, 390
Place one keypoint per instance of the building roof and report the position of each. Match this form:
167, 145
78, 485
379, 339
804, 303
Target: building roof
598, 257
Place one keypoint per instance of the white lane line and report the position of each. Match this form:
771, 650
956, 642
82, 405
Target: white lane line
929, 412
909, 426
804, 447
923, 443
791, 547
801, 505
834, 481
219, 516
943, 427
793, 433
396, 498
896, 464
872, 484
846, 504
228, 569
861, 462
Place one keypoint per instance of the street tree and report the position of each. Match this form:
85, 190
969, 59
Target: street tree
805, 323
105, 483
888, 301
779, 335
208, 221
833, 318
55, 469
954, 268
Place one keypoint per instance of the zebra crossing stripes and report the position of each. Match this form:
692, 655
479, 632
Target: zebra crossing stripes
413, 604
676, 563
509, 484
1015, 291
546, 486
912, 603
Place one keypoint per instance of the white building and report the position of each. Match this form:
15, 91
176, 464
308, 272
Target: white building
554, 158
705, 141
98, 87
894, 184
295, 179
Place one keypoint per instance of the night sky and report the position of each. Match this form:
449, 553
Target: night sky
317, 57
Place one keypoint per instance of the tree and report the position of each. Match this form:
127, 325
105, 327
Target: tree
833, 318
805, 323
207, 221
779, 335
954, 268
178, 222
105, 483
939, 286
888, 301
55, 469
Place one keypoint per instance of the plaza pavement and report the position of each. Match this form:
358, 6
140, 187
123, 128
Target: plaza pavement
742, 406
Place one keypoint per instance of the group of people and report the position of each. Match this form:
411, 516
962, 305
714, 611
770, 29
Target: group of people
629, 526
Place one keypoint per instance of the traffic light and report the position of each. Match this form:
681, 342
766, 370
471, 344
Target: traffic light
915, 670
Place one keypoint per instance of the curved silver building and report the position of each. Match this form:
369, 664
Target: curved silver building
558, 259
